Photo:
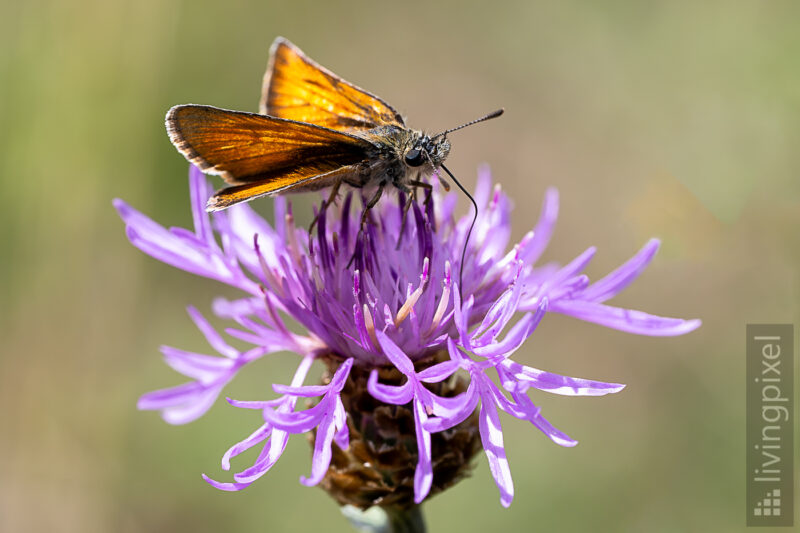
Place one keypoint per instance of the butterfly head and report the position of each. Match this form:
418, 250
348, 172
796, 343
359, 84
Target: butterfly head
432, 151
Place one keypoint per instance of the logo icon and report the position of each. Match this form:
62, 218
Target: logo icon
770, 505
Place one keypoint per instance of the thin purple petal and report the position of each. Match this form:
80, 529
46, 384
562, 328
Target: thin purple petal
423, 475
492, 439
616, 281
628, 320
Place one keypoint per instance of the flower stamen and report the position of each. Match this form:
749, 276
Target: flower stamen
443, 301
412, 299
370, 325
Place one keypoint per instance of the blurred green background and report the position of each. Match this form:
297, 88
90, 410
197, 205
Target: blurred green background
668, 119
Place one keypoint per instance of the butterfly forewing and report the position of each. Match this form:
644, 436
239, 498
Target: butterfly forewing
297, 88
261, 155
247, 147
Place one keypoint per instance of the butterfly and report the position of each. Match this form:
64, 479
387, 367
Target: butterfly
313, 130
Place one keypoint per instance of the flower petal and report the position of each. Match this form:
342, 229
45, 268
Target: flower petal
395, 354
628, 320
391, 394
438, 372
534, 416
199, 191
228, 487
616, 281
543, 230
258, 436
492, 438
322, 452
298, 421
214, 339
423, 474
556, 383
203, 368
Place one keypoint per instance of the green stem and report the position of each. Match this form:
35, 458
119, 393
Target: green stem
386, 519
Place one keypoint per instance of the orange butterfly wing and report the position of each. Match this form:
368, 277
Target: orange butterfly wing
297, 88
261, 154
229, 196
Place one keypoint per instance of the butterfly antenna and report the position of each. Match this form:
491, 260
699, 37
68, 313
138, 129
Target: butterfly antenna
472, 225
493, 114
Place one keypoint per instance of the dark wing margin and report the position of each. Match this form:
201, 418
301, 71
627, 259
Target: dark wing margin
295, 87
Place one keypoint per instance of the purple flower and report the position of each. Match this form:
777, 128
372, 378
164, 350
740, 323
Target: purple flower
396, 306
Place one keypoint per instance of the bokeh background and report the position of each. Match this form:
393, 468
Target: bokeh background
672, 119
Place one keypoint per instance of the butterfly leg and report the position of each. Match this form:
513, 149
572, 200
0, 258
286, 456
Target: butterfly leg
326, 204
369, 205
372, 202
421, 184
428, 197
413, 198
410, 198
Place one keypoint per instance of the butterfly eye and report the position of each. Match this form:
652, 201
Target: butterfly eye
414, 158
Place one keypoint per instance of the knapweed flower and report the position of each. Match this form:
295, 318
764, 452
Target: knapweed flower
417, 368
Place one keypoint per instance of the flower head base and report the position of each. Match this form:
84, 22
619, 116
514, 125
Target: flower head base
409, 396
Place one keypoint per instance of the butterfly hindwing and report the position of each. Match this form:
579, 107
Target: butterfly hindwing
297, 88
229, 196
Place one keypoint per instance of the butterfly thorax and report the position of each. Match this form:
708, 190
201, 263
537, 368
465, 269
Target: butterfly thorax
402, 156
